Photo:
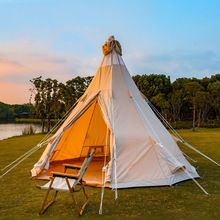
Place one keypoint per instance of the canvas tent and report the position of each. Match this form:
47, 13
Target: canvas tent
134, 149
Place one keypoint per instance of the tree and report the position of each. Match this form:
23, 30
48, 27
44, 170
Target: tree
151, 85
205, 82
192, 88
180, 83
18, 110
73, 90
215, 78
40, 99
5, 112
46, 99
214, 89
176, 103
160, 101
203, 104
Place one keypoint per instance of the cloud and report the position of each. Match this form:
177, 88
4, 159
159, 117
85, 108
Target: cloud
180, 63
24, 60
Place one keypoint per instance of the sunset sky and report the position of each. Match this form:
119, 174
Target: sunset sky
63, 39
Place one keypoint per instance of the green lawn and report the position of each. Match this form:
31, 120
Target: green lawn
20, 199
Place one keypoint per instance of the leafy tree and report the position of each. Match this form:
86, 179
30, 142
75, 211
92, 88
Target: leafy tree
46, 99
153, 84
214, 89
40, 99
161, 101
180, 83
73, 90
5, 112
203, 104
215, 78
192, 88
205, 82
18, 110
176, 103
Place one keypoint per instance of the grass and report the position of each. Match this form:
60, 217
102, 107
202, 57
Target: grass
20, 199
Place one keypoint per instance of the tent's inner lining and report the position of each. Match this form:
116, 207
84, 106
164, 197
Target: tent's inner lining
88, 132
93, 175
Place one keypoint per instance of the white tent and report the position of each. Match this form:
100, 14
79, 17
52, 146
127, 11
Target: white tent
134, 149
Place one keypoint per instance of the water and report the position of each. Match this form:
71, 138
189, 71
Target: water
15, 129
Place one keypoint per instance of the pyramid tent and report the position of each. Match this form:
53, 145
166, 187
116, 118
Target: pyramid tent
132, 145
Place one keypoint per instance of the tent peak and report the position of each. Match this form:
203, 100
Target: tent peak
111, 45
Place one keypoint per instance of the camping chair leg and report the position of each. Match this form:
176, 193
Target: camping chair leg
43, 207
79, 211
84, 191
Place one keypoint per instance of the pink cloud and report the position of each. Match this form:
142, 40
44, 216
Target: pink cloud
13, 93
22, 61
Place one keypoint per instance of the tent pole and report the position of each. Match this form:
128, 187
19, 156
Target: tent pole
104, 172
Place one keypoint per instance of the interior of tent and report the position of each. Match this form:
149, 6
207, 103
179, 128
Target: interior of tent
79, 138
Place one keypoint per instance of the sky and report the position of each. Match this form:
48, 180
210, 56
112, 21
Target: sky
62, 39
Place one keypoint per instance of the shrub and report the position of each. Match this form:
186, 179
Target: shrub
28, 130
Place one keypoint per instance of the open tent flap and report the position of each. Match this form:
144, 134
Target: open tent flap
78, 112
89, 131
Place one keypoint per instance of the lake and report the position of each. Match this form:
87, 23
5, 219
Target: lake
15, 129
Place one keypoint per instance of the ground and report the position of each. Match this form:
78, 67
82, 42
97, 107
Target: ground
20, 198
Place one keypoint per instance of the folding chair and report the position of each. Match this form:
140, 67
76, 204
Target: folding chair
67, 182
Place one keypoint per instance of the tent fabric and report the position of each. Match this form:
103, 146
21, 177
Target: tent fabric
114, 117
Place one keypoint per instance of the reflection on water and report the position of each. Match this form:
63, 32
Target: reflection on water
10, 129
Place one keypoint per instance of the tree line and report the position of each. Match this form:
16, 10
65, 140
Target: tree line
185, 99
54, 99
10, 112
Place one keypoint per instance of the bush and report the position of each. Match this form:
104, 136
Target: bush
28, 130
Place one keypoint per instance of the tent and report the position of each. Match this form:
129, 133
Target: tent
133, 148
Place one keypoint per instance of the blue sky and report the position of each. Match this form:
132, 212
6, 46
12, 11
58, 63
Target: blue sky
63, 39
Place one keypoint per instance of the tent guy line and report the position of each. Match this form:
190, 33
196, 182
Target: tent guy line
135, 136
178, 136
43, 142
132, 126
180, 164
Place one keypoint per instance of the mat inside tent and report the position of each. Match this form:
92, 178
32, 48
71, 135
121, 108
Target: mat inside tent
93, 175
